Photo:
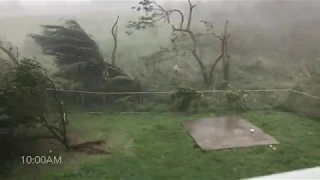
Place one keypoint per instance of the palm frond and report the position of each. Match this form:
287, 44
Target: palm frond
69, 39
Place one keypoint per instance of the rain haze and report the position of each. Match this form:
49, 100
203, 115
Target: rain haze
151, 89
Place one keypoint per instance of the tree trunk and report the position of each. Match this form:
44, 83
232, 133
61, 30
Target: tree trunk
226, 56
206, 80
226, 72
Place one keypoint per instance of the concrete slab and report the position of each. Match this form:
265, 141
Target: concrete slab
310, 173
226, 132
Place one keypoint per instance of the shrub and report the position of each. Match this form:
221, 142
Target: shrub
27, 110
184, 97
236, 100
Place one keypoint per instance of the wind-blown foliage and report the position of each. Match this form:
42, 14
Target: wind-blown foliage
77, 55
27, 111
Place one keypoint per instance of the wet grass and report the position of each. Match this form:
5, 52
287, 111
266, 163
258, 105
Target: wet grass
155, 146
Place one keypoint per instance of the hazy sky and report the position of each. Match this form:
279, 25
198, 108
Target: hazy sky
19, 7
61, 7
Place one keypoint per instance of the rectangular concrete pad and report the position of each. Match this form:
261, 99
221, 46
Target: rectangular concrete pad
226, 132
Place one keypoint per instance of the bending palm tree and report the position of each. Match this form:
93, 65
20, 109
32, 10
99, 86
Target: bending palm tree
79, 58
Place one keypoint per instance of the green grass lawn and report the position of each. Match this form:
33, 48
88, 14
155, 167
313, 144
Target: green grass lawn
155, 146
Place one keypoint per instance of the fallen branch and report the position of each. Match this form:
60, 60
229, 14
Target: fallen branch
89, 147
100, 142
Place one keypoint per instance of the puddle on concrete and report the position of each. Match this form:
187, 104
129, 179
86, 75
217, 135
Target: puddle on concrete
226, 132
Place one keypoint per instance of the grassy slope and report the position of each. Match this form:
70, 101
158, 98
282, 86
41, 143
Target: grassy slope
154, 146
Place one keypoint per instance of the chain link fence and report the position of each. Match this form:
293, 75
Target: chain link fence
303, 104
210, 101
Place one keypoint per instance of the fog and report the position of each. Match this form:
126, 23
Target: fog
108, 86
271, 17
275, 31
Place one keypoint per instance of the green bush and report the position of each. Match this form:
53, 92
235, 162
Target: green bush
186, 97
236, 100
22, 96
26, 109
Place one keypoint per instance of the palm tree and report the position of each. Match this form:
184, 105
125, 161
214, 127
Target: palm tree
79, 58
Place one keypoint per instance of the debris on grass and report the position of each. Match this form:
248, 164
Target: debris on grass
92, 147
274, 148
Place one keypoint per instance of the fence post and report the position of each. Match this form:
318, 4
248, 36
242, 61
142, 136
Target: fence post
103, 99
82, 98
140, 98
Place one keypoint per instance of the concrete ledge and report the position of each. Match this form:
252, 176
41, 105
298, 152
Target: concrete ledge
310, 173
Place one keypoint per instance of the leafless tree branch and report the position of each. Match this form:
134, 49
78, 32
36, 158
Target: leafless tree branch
190, 14
182, 17
62, 112
114, 32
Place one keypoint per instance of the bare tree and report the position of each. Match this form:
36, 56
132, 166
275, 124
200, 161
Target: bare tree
224, 56
155, 14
